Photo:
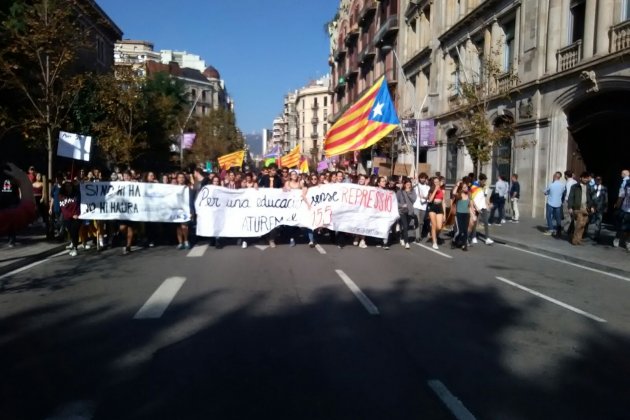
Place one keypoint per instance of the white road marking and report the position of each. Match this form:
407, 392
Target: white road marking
617, 276
29, 266
454, 405
262, 247
433, 250
320, 249
365, 301
552, 300
198, 251
160, 299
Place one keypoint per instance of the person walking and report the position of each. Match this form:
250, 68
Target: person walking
69, 202
437, 209
619, 214
580, 205
479, 198
554, 192
406, 196
499, 197
599, 196
420, 205
464, 208
515, 195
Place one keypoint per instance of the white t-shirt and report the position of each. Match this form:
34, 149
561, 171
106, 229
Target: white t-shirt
570, 182
422, 192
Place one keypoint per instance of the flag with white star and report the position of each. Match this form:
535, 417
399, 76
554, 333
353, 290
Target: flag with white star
366, 122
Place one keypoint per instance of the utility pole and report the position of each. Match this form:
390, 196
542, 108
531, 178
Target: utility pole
181, 130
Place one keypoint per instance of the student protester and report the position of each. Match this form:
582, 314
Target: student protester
478, 194
599, 196
406, 196
182, 228
69, 202
292, 183
359, 240
126, 227
382, 185
272, 180
313, 182
420, 206
464, 209
437, 209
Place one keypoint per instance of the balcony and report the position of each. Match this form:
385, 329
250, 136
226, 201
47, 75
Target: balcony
506, 81
367, 54
351, 37
339, 55
314, 120
569, 57
315, 106
620, 39
367, 13
314, 135
388, 28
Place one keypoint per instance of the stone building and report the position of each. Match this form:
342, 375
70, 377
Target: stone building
570, 62
135, 53
313, 105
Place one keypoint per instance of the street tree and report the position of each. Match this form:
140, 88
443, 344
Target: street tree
478, 92
217, 135
40, 43
122, 113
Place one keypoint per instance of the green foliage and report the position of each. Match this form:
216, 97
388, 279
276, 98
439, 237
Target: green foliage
217, 135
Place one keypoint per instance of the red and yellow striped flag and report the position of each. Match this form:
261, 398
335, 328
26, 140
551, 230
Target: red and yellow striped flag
291, 159
232, 159
367, 121
304, 169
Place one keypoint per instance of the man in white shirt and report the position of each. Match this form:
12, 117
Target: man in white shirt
420, 205
567, 219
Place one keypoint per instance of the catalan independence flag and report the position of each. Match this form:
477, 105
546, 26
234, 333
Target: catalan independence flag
230, 160
304, 169
367, 121
291, 159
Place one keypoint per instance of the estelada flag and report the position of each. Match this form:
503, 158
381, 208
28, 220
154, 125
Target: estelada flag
291, 159
366, 122
230, 160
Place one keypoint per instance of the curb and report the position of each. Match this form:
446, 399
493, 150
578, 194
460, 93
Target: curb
31, 259
568, 258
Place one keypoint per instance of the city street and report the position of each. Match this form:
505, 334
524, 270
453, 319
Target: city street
325, 333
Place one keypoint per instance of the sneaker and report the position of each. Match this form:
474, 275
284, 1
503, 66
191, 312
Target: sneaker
497, 224
548, 233
180, 246
503, 221
435, 246
81, 246
73, 252
474, 241
464, 248
514, 221
151, 244
407, 245
88, 246
127, 250
244, 244
616, 242
186, 245
355, 243
362, 244
311, 244
489, 241
386, 247
272, 244
67, 247
402, 242
292, 242
379, 245
101, 242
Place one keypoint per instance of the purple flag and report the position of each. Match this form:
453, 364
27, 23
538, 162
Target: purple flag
187, 140
322, 166
427, 133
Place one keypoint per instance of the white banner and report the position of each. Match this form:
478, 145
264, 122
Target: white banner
74, 146
135, 201
250, 213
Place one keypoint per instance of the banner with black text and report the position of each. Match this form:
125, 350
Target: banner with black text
351, 208
135, 201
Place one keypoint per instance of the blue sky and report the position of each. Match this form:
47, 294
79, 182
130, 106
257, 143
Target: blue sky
263, 49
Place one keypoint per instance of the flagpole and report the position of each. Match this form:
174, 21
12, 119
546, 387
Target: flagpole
181, 130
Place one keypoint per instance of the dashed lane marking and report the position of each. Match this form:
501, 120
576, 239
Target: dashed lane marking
320, 249
365, 301
455, 406
552, 300
198, 251
433, 250
160, 299
261, 247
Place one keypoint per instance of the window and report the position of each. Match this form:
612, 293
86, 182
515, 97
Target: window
325, 100
509, 49
452, 152
625, 11
315, 103
325, 112
100, 50
203, 95
576, 23
193, 94
478, 63
455, 76
325, 128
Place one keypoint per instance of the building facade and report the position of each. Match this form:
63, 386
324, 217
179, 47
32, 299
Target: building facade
363, 37
135, 53
184, 59
563, 74
313, 103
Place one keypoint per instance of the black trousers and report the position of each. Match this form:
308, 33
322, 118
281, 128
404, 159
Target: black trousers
73, 226
462, 220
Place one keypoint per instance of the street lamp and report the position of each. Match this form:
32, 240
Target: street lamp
181, 128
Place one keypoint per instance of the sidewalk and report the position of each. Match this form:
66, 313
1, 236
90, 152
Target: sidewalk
31, 246
528, 234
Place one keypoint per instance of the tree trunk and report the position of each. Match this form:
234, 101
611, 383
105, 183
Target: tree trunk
49, 149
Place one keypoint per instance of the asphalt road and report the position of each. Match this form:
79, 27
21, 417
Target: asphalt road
300, 333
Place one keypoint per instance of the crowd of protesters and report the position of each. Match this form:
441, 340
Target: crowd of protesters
427, 209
